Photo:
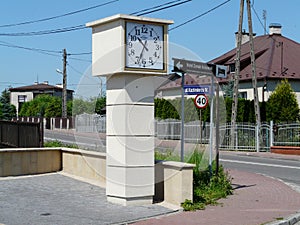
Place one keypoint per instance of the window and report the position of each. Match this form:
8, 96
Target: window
243, 94
22, 98
232, 68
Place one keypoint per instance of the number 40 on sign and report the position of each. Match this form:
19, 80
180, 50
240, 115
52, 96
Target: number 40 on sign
201, 101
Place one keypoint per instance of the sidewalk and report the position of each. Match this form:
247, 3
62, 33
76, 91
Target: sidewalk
256, 200
58, 199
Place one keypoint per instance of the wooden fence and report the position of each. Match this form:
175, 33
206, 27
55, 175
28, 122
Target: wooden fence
19, 134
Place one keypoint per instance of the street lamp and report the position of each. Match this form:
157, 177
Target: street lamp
64, 92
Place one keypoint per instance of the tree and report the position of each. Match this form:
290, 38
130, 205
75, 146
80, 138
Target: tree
81, 106
43, 105
228, 89
100, 104
8, 111
282, 106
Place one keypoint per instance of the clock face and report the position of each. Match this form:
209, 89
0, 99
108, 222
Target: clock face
144, 46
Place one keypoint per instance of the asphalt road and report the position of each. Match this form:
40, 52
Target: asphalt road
287, 170
90, 141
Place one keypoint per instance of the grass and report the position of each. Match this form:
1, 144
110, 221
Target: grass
208, 187
57, 143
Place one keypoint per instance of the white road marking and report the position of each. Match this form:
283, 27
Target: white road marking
260, 164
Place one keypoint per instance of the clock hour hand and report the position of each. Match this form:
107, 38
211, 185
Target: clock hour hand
144, 44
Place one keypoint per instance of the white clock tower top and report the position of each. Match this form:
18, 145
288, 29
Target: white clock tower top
117, 50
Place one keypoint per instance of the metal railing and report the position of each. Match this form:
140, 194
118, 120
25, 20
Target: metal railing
287, 134
248, 137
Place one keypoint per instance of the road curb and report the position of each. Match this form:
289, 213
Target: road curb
290, 220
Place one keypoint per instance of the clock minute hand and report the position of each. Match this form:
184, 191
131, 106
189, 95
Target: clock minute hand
144, 44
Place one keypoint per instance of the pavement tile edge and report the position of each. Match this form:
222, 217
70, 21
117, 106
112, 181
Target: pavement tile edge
290, 220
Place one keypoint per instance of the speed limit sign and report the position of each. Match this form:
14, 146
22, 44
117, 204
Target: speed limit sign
201, 101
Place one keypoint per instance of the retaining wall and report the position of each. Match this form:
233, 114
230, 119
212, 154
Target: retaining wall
173, 180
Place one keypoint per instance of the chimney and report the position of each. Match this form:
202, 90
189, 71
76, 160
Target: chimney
275, 28
59, 85
245, 37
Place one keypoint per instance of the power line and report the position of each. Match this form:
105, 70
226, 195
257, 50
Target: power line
83, 60
261, 23
197, 17
44, 32
157, 8
82, 26
41, 51
83, 53
58, 16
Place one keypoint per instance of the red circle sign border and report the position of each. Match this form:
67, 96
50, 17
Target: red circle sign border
200, 107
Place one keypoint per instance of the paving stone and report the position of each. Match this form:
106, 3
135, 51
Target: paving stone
57, 199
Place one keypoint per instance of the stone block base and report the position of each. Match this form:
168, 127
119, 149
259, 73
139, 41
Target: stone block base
130, 201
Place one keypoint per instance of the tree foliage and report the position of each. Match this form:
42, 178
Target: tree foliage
43, 105
49, 106
171, 109
100, 104
7, 110
81, 106
282, 105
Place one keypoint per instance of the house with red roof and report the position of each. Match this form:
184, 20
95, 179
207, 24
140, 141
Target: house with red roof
19, 95
276, 56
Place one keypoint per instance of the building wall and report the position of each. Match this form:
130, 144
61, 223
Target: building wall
245, 90
14, 98
271, 85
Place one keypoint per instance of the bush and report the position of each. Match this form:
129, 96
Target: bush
57, 144
208, 187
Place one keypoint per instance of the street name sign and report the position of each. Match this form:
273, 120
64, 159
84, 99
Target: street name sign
196, 89
192, 67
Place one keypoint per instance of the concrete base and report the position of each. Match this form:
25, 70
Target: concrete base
145, 200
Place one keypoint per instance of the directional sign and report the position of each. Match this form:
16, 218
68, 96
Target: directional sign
201, 101
192, 67
196, 90
221, 71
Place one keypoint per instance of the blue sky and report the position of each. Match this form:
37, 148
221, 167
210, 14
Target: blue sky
208, 37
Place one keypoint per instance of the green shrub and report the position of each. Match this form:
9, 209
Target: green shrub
208, 187
57, 144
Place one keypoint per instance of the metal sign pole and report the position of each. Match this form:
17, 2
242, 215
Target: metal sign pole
182, 118
211, 124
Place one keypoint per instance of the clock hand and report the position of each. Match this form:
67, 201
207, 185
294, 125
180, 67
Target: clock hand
142, 52
144, 45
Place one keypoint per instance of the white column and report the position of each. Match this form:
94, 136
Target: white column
130, 139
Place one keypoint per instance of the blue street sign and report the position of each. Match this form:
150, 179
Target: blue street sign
196, 90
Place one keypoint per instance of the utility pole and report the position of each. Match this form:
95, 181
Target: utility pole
265, 21
236, 75
237, 70
253, 67
64, 99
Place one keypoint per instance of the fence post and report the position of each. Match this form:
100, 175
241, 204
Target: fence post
41, 133
271, 133
257, 137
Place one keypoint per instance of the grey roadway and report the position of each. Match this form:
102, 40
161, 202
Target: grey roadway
285, 168
91, 141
